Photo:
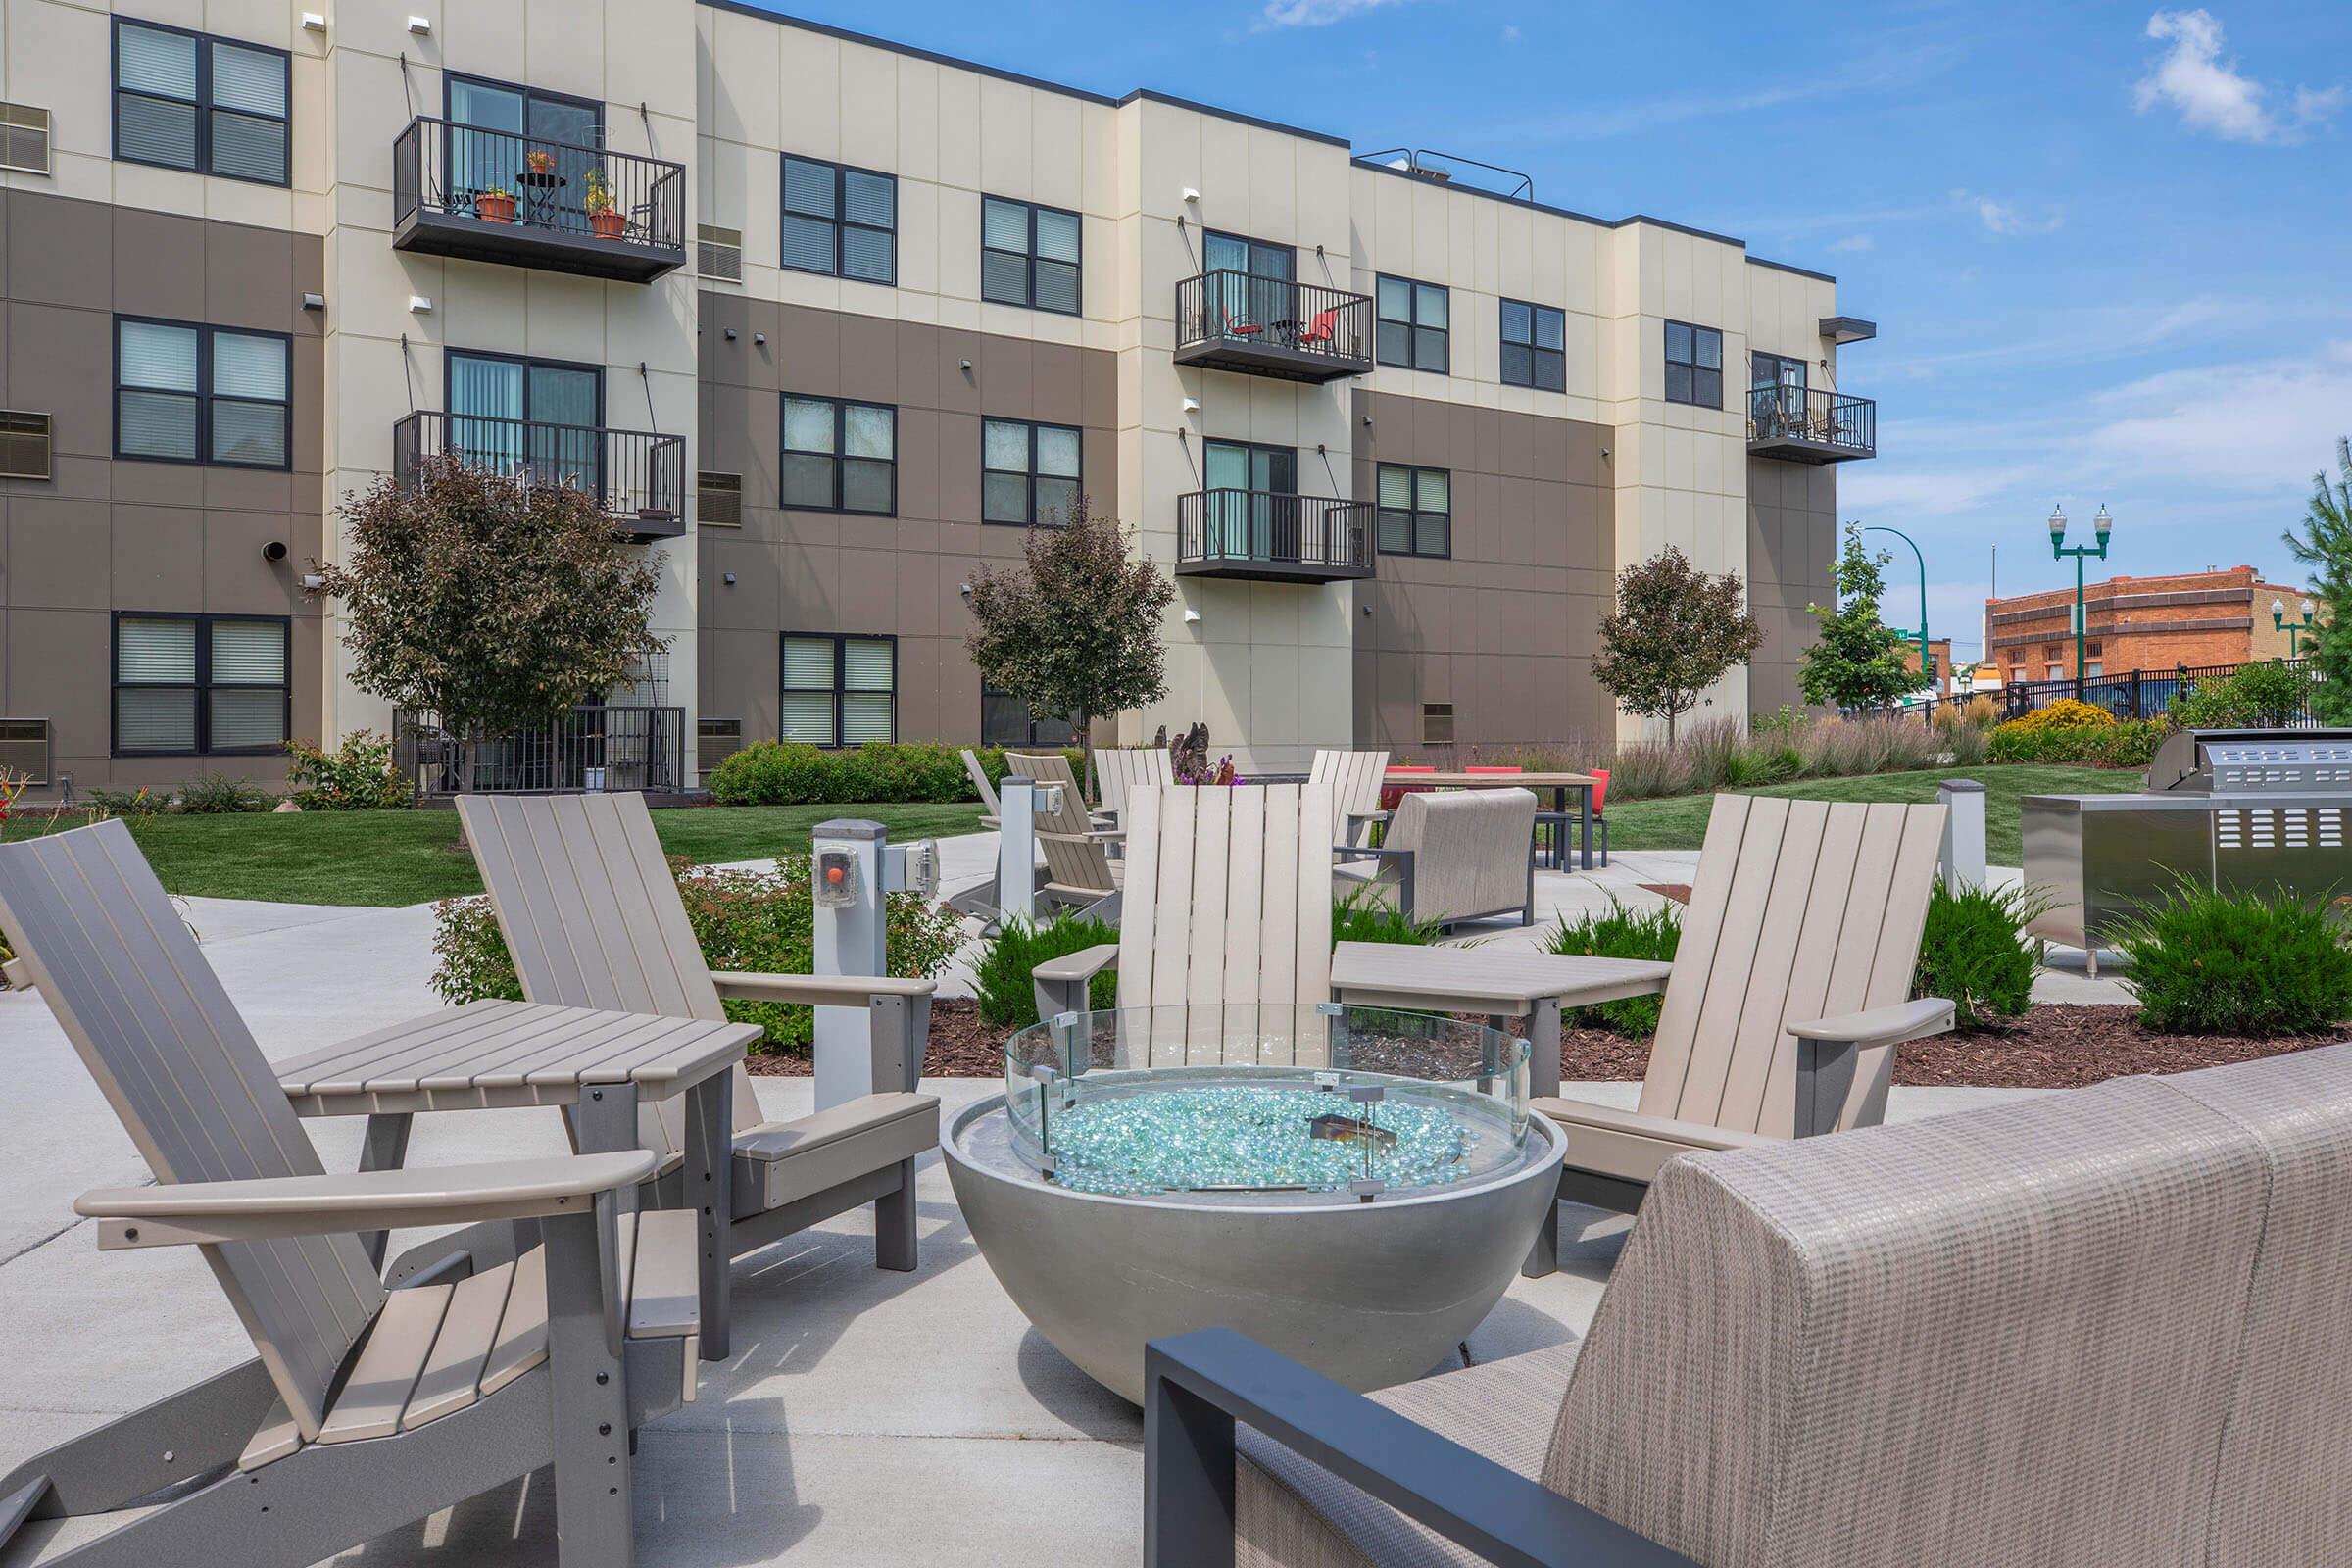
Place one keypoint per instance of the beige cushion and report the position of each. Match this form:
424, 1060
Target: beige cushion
1291, 1513
1629, 1145
782, 1161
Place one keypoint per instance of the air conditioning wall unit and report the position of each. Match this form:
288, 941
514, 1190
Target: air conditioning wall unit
719, 253
715, 739
24, 749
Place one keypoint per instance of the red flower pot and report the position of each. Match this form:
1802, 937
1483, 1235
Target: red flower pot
608, 224
490, 209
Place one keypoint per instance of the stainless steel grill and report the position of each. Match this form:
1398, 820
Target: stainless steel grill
2239, 809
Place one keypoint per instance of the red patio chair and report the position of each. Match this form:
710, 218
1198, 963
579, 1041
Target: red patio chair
1321, 333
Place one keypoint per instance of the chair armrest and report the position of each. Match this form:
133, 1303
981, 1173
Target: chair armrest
182, 1213
816, 990
1100, 835
1060, 985
1198, 1385
1880, 1026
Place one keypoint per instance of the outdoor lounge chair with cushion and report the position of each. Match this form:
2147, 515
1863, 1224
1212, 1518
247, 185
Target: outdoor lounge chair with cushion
1078, 867
1355, 778
364, 1410
592, 915
1790, 990
1462, 855
2112, 1326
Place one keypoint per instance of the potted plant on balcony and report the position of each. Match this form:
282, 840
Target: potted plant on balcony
494, 206
604, 218
541, 161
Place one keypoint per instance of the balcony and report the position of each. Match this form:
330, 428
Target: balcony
494, 196
1268, 537
638, 477
1799, 425
1229, 320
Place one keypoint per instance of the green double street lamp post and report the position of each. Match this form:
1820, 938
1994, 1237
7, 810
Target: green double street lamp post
1927, 663
2295, 629
2101, 525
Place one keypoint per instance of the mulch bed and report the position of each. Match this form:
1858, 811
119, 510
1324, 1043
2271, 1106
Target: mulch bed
961, 1047
2055, 1045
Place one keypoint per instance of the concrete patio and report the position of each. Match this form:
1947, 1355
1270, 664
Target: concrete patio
865, 1417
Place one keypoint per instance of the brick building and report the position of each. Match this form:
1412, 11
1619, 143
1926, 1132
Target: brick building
2193, 619
1942, 648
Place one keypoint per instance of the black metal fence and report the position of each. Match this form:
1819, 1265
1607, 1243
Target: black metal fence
1809, 415
2130, 694
1232, 524
561, 188
637, 475
594, 746
1304, 318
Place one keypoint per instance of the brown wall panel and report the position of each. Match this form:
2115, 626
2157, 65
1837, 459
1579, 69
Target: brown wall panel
1792, 542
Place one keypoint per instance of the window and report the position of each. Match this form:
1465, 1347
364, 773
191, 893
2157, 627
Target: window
1694, 365
1236, 253
201, 394
840, 690
2096, 666
539, 145
1005, 720
207, 105
537, 416
1028, 472
1414, 330
1416, 511
1534, 346
840, 222
189, 685
2057, 672
1028, 255
840, 457
1775, 401
23, 445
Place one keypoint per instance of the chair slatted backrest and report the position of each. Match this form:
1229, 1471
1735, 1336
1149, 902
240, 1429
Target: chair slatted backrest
1120, 768
979, 778
1069, 862
591, 913
1228, 915
1356, 778
1802, 910
129, 985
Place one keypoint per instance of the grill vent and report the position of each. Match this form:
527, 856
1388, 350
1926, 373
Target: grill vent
1437, 723
2265, 827
719, 500
23, 445
717, 740
23, 138
24, 749
719, 253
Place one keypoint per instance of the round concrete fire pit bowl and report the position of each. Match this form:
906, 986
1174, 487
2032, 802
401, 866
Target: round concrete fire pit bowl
1356, 1188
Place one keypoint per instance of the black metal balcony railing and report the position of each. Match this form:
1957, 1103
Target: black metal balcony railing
594, 746
638, 476
1272, 537
1806, 425
1272, 326
496, 196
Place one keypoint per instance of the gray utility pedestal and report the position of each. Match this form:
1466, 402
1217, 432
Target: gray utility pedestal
852, 868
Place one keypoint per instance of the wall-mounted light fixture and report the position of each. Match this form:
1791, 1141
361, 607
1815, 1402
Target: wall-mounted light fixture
1191, 404
967, 367
314, 302
309, 583
964, 588
1190, 616
1192, 197
760, 337
729, 578
419, 305
421, 26
730, 334
312, 21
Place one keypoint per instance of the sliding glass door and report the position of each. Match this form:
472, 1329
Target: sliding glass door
531, 416
1251, 488
538, 147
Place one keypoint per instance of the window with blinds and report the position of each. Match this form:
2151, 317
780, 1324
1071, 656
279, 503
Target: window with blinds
24, 139
1029, 255
1534, 345
193, 685
186, 393
1029, 472
839, 690
212, 106
1415, 511
25, 441
839, 220
840, 456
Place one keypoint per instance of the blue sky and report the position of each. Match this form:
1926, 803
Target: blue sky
2106, 245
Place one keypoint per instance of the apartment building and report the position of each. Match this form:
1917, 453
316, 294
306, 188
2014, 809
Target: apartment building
2195, 618
827, 321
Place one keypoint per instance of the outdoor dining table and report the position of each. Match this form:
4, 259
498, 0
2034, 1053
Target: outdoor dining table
1558, 783
594, 1064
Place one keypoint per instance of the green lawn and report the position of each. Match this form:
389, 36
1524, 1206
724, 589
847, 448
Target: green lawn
1680, 821
387, 857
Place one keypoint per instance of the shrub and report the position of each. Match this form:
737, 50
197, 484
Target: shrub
1002, 976
1355, 917
2064, 714
131, 805
358, 776
2205, 962
218, 795
2252, 696
1973, 953
1966, 744
754, 920
795, 773
1622, 933
2132, 742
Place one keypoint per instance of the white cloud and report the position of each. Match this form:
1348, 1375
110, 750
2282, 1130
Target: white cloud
1854, 242
2006, 217
2251, 429
1315, 12
1510, 32
2210, 94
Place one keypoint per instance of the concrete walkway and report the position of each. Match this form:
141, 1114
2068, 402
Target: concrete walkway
866, 1418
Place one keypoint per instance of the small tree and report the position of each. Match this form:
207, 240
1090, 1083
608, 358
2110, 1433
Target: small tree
2326, 547
1856, 661
1076, 630
493, 601
1676, 631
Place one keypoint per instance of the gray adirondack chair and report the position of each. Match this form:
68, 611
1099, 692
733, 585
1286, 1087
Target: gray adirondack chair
1788, 993
363, 1409
1355, 779
987, 792
1119, 768
592, 916
1078, 867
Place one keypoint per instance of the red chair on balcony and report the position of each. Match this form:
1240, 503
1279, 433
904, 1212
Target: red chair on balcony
1321, 334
